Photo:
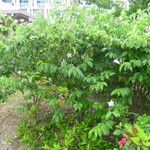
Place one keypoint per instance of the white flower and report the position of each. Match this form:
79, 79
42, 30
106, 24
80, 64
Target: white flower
19, 72
111, 103
116, 61
69, 55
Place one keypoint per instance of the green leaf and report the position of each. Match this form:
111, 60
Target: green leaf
97, 105
116, 113
78, 106
121, 92
89, 62
117, 132
108, 115
126, 66
98, 86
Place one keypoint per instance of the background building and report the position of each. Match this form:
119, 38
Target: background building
26, 10
32, 6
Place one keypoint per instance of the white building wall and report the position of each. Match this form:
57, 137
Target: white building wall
33, 7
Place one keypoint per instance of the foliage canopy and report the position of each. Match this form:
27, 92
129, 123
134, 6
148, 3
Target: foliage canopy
66, 64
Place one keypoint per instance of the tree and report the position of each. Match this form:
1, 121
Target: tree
138, 4
102, 3
65, 65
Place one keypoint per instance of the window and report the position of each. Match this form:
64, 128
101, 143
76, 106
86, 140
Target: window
7, 1
41, 3
24, 3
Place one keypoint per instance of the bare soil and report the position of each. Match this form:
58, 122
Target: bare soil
8, 122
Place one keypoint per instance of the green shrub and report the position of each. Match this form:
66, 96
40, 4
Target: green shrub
135, 5
79, 95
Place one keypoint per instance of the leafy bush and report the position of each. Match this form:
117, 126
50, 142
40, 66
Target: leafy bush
138, 4
7, 86
85, 71
106, 4
138, 135
102, 3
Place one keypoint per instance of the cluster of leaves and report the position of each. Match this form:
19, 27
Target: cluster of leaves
135, 5
66, 65
138, 137
102, 3
138, 134
106, 4
7, 85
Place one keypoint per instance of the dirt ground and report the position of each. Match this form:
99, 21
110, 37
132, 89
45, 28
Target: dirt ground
8, 122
